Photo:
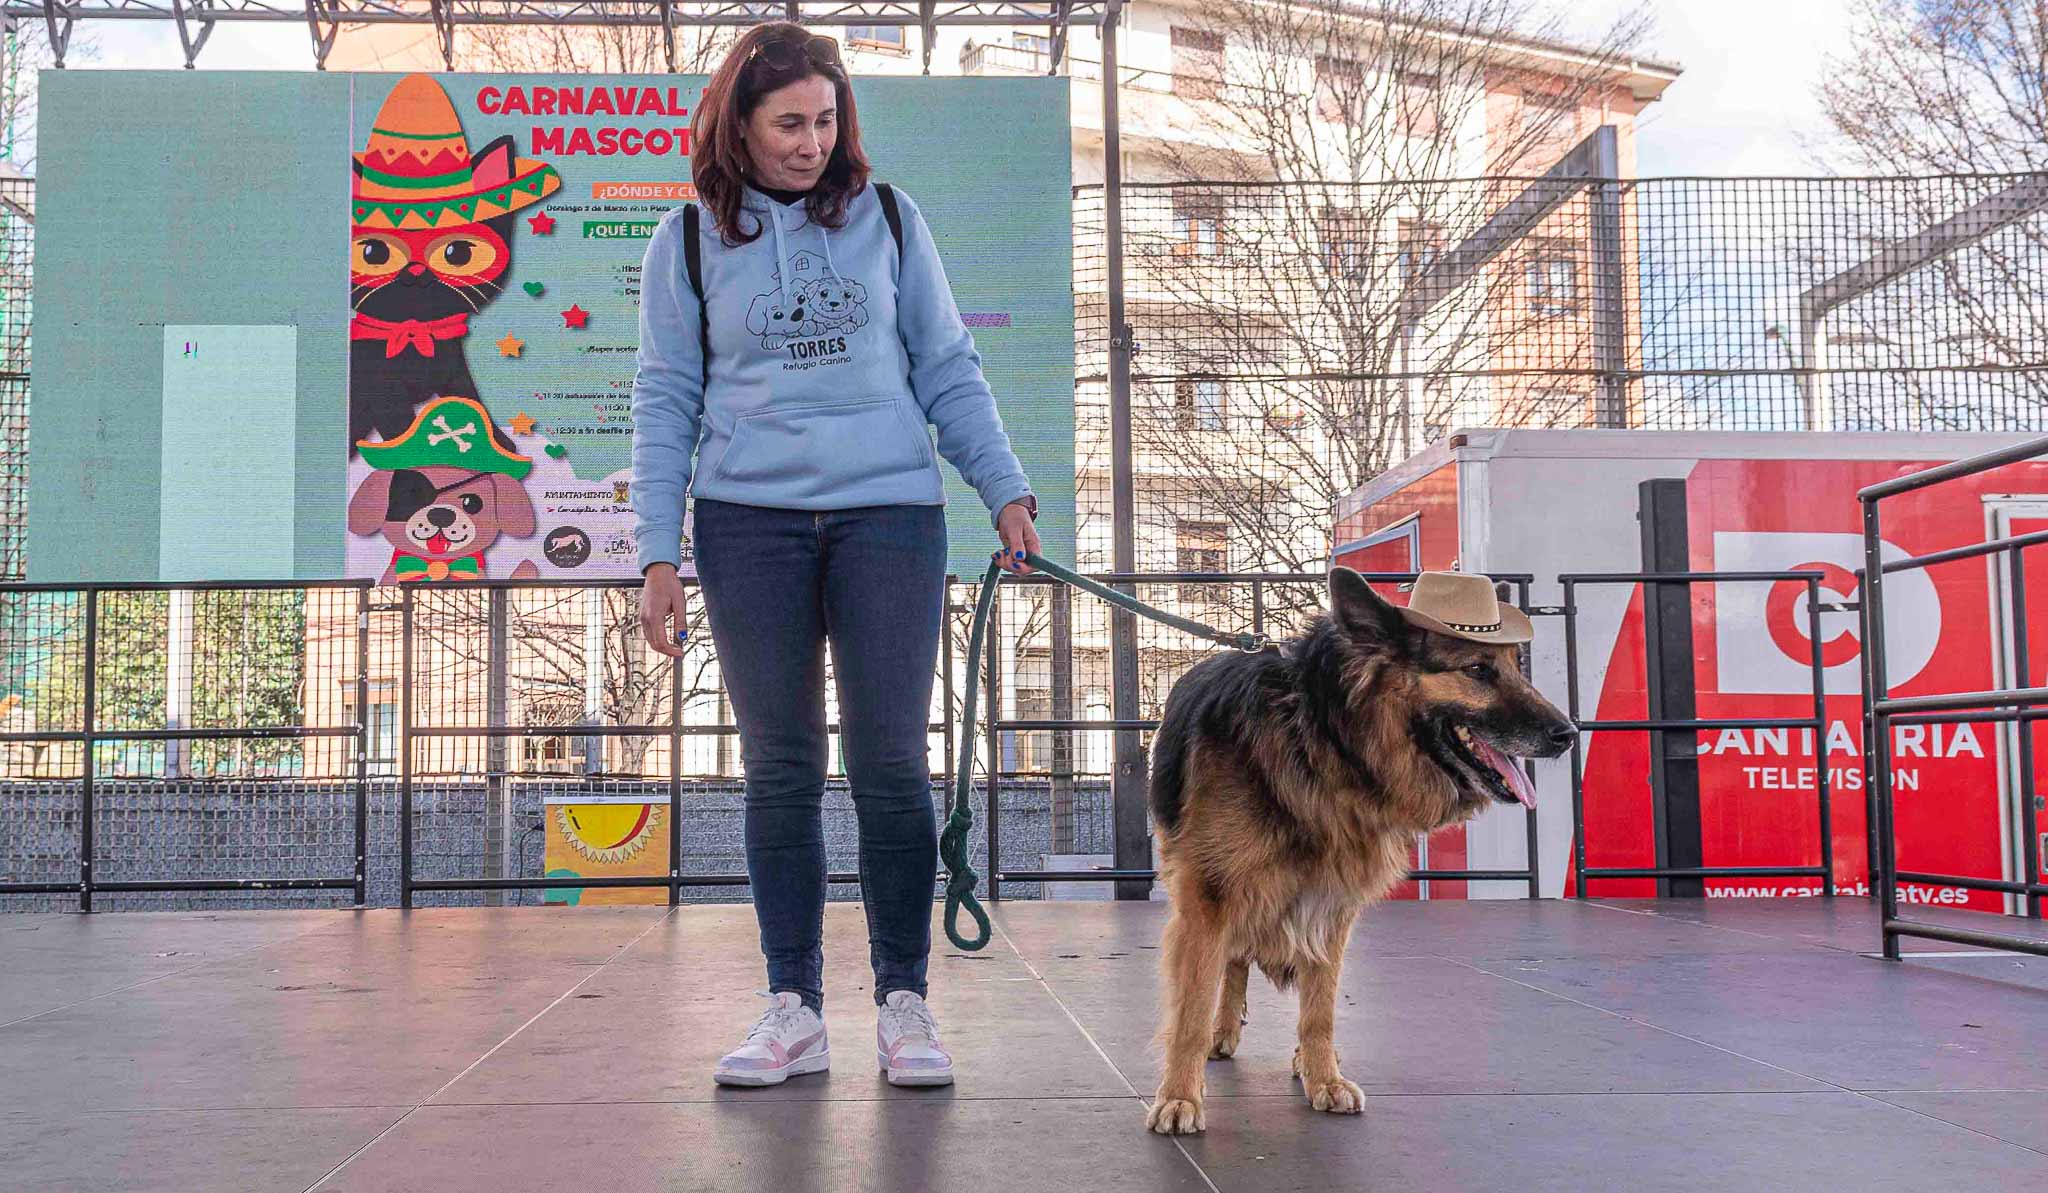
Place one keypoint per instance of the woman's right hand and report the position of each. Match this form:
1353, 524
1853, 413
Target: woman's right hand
661, 610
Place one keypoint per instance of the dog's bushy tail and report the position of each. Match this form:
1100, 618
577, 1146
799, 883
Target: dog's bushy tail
1169, 758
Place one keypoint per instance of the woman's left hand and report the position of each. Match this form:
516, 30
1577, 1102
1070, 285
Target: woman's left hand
1019, 536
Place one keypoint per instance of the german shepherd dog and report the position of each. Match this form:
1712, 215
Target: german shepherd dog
1287, 788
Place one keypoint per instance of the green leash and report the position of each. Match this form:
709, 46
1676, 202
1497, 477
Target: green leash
960, 876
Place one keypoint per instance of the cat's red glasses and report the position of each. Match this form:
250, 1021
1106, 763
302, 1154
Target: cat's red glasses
465, 256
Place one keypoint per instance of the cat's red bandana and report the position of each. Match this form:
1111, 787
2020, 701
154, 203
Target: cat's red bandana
410, 333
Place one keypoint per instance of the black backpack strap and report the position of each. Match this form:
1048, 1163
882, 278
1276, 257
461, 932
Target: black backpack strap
693, 257
887, 194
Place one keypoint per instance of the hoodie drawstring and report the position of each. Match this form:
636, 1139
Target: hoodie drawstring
825, 238
781, 255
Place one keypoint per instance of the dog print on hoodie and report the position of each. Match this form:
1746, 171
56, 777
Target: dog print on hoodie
810, 317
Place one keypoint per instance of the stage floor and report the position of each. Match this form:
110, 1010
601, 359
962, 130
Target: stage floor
1525, 1046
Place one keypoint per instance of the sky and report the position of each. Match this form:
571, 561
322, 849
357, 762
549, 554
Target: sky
1747, 94
1741, 107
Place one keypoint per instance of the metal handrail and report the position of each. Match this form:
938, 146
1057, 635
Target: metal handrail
1881, 710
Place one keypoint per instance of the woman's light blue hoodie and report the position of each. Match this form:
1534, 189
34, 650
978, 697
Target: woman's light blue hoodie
828, 360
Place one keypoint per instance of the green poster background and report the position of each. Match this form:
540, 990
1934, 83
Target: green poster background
216, 203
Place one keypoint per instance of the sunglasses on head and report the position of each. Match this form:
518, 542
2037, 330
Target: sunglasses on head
786, 52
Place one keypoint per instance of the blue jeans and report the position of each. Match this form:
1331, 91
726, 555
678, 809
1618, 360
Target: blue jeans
778, 584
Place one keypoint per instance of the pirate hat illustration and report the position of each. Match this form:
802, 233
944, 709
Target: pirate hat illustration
449, 433
418, 173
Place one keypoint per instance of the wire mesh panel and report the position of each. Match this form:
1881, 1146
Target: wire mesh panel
264, 787
42, 649
1293, 340
17, 266
535, 659
490, 805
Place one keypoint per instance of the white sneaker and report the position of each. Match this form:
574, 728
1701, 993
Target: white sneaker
907, 1042
787, 1041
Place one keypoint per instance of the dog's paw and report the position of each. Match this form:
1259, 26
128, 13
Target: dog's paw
1224, 1045
1337, 1096
1300, 1069
1175, 1116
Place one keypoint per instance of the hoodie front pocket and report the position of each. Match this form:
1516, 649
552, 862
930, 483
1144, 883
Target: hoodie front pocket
815, 451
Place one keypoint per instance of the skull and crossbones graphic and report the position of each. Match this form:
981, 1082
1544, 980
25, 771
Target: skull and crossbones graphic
445, 432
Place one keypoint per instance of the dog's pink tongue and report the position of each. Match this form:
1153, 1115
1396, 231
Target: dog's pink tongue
1517, 779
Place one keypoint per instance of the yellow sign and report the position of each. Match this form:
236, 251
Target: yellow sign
603, 837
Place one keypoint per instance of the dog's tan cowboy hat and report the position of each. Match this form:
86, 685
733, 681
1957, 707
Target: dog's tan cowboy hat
1465, 606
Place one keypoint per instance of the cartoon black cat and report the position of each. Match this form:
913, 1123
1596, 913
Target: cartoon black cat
431, 245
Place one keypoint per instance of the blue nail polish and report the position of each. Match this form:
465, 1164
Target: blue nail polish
1020, 554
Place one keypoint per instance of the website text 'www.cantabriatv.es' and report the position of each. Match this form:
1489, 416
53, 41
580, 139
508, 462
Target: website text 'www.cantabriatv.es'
1907, 894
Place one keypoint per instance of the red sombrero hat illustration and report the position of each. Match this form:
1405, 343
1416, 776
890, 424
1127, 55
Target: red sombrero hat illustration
418, 172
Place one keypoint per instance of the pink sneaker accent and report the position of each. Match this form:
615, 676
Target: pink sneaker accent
787, 1041
907, 1042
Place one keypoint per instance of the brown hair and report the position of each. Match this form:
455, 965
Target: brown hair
719, 161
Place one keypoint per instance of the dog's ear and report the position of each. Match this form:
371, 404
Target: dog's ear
1361, 611
511, 508
367, 507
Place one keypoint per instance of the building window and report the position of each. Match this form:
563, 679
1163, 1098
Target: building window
1202, 547
877, 37
1547, 114
1347, 241
384, 737
1199, 403
1418, 104
1421, 243
381, 745
1338, 84
1197, 62
1553, 276
1031, 751
551, 755
1199, 218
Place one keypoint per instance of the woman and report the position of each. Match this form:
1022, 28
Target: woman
818, 514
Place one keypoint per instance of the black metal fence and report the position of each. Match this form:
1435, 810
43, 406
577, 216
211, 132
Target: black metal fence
1674, 732
251, 744
2020, 704
1275, 604
350, 743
